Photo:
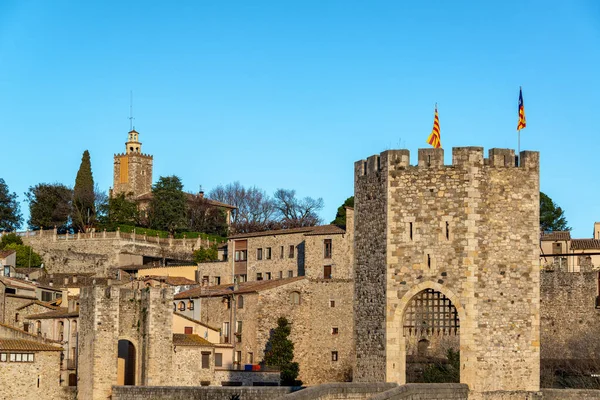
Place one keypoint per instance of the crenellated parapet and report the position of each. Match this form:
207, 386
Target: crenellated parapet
462, 157
143, 155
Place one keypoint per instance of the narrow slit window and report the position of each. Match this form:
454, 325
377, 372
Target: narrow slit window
447, 230
410, 230
428, 260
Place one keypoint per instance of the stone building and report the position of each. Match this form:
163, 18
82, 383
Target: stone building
34, 366
560, 251
449, 249
132, 173
316, 252
319, 309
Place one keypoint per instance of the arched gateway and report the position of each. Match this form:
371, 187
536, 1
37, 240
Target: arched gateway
444, 250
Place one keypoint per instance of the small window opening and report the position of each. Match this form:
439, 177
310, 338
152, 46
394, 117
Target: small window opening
365, 168
447, 230
410, 230
429, 260
429, 160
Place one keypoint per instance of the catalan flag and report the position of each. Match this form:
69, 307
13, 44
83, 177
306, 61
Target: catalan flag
434, 139
522, 122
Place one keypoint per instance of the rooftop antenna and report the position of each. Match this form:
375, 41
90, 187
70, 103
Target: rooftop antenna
131, 110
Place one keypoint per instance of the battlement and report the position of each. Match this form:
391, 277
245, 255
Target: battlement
135, 154
462, 157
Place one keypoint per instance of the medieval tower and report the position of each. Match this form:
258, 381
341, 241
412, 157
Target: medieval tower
449, 251
132, 169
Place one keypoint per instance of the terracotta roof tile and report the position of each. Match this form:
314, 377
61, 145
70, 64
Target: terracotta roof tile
326, 230
6, 253
39, 303
171, 280
273, 232
60, 313
245, 287
181, 339
585, 244
26, 345
556, 235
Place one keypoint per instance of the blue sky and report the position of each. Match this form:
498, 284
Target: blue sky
289, 94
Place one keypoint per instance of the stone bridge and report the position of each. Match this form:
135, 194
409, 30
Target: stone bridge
98, 252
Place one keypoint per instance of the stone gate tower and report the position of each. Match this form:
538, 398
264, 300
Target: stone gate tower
132, 169
449, 249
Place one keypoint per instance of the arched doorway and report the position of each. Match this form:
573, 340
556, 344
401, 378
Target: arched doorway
126, 363
431, 328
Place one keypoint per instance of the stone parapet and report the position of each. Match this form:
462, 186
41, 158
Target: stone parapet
198, 393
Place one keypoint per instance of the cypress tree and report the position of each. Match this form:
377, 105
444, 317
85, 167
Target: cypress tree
280, 352
84, 211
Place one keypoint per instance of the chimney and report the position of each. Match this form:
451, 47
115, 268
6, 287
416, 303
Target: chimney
201, 194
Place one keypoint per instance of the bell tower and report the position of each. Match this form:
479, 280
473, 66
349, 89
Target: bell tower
132, 169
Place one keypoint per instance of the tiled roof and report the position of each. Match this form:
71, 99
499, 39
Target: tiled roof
21, 296
181, 339
132, 267
39, 303
273, 232
556, 235
22, 332
326, 230
194, 321
171, 280
6, 253
26, 345
585, 244
245, 287
60, 313
58, 280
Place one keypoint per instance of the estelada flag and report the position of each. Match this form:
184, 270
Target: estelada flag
434, 139
522, 122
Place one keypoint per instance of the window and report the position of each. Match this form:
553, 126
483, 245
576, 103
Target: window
238, 328
280, 274
16, 317
290, 274
227, 302
205, 280
259, 276
268, 253
327, 272
259, 254
218, 359
250, 358
241, 255
240, 301
295, 298
291, 251
334, 356
174, 307
238, 357
3, 357
332, 303
190, 305
327, 248
181, 306
268, 276
217, 280
334, 331
188, 330
281, 256
46, 296
17, 357
26, 326
225, 332
205, 360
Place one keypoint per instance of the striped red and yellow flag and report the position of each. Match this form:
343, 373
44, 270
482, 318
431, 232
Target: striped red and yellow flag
522, 122
434, 139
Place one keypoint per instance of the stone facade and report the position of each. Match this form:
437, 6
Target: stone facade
469, 231
132, 172
141, 317
188, 369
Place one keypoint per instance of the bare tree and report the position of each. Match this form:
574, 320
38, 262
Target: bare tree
254, 208
294, 212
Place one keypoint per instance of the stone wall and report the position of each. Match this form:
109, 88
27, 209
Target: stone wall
469, 231
341, 260
246, 378
221, 269
187, 366
138, 172
198, 393
331, 391
20, 380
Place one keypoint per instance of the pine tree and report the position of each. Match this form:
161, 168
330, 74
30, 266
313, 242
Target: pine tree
10, 211
84, 211
340, 217
280, 353
168, 207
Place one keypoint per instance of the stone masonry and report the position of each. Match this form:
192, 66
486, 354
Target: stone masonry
470, 231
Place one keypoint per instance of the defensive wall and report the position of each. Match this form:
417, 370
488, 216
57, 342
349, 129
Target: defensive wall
469, 234
97, 252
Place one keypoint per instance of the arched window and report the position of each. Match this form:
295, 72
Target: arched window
174, 307
240, 301
38, 327
73, 327
181, 306
190, 305
295, 298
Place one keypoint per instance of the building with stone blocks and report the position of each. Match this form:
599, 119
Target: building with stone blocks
125, 337
132, 169
559, 251
449, 249
319, 310
316, 252
29, 370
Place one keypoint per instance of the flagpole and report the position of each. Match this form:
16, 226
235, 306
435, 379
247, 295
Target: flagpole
519, 133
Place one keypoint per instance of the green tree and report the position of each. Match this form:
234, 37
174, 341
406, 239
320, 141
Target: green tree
121, 210
84, 210
168, 206
444, 372
49, 206
10, 211
10, 239
204, 254
340, 217
26, 257
279, 352
552, 217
